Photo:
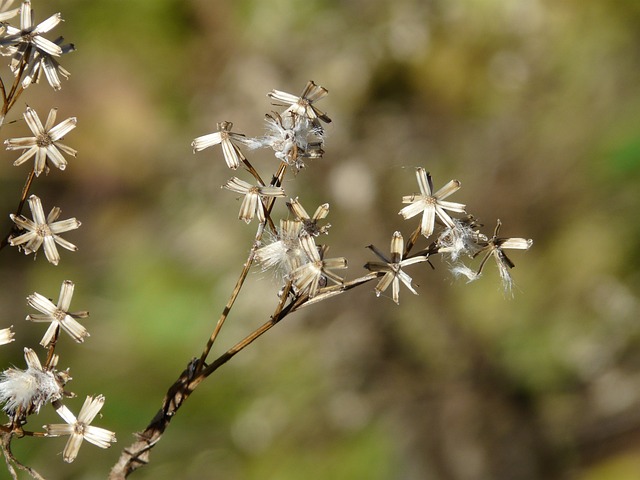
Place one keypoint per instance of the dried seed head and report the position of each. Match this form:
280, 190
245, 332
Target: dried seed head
25, 391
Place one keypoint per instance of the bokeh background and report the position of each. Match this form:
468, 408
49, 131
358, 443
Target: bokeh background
532, 104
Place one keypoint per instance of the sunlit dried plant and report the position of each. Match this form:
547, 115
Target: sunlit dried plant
25, 392
289, 244
287, 239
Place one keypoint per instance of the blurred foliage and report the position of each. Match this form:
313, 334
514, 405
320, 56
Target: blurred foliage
533, 104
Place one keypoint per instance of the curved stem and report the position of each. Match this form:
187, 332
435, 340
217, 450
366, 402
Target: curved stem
11, 460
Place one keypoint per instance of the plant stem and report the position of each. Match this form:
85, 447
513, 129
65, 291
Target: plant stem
277, 180
411, 242
137, 454
23, 199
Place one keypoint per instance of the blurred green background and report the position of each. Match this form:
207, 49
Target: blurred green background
532, 104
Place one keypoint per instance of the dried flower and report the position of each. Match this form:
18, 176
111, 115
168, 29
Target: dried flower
493, 247
25, 391
43, 62
6, 335
252, 203
431, 204
461, 239
293, 139
392, 268
303, 105
27, 43
45, 143
79, 428
310, 224
41, 230
58, 315
285, 252
315, 272
229, 141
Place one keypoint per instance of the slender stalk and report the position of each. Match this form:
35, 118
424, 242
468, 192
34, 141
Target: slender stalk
334, 290
15, 95
9, 99
411, 242
277, 316
258, 178
16, 87
253, 171
11, 460
25, 190
52, 348
277, 180
23, 198
4, 96
227, 308
280, 313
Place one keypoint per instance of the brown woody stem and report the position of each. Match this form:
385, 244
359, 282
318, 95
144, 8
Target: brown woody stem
137, 454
